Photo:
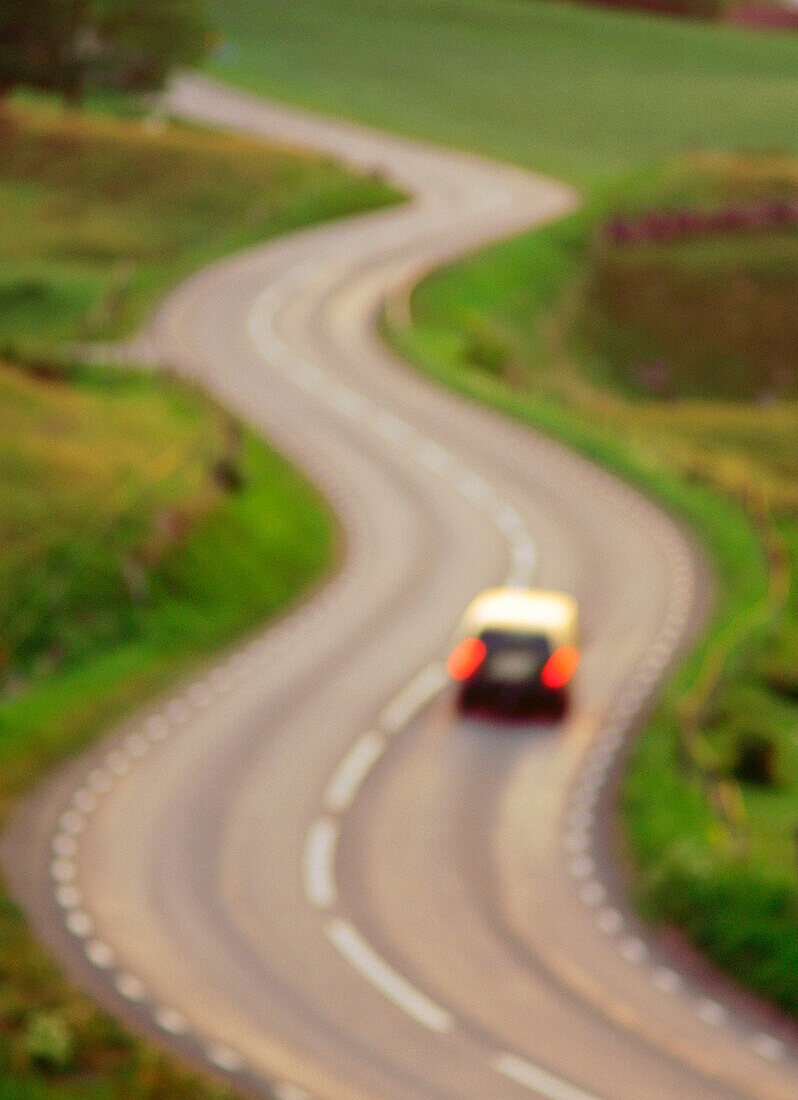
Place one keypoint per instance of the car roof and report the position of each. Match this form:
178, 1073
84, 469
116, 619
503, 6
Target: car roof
523, 611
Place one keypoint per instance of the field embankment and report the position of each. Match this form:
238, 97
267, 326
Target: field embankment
141, 528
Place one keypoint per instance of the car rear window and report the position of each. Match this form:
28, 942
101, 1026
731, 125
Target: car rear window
512, 656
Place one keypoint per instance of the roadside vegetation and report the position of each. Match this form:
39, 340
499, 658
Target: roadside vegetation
141, 527
551, 328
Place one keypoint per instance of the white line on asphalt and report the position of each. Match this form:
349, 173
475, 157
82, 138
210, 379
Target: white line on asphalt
347, 402
376, 971
68, 896
72, 822
99, 953
413, 697
79, 923
475, 488
85, 800
171, 1020
768, 1047
435, 458
286, 1091
64, 845
136, 746
319, 862
391, 428
63, 870
352, 770
538, 1080
131, 987
225, 1058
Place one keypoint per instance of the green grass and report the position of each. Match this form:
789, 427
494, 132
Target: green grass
578, 92
100, 214
712, 315
141, 528
712, 841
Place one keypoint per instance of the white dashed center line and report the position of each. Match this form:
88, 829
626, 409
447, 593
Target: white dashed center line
413, 697
538, 1080
376, 971
319, 863
352, 770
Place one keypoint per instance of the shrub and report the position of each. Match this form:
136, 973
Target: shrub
756, 759
48, 1041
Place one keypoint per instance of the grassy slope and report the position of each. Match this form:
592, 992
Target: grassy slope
100, 214
579, 93
124, 558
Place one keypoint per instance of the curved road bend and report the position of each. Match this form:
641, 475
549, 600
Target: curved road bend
303, 869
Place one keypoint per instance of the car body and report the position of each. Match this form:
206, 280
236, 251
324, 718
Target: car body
516, 652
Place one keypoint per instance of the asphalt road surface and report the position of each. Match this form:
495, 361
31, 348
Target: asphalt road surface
303, 868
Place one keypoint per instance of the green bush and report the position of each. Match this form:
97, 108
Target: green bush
48, 1041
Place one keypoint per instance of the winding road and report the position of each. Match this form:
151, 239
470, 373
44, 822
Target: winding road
303, 869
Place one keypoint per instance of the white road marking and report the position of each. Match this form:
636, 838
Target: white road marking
593, 893
576, 842
117, 762
666, 980
79, 923
413, 697
84, 800
64, 845
319, 863
610, 921
376, 971
136, 745
712, 1013
178, 710
392, 429
633, 949
225, 1058
582, 867
68, 896
286, 1091
72, 822
158, 728
347, 402
131, 987
63, 870
99, 953
352, 770
200, 695
171, 1020
99, 781
538, 1080
435, 458
509, 520
475, 488
768, 1047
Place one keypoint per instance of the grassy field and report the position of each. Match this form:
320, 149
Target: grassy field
580, 93
141, 529
698, 312
101, 214
710, 799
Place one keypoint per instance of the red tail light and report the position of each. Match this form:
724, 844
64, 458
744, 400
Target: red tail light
560, 667
466, 658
